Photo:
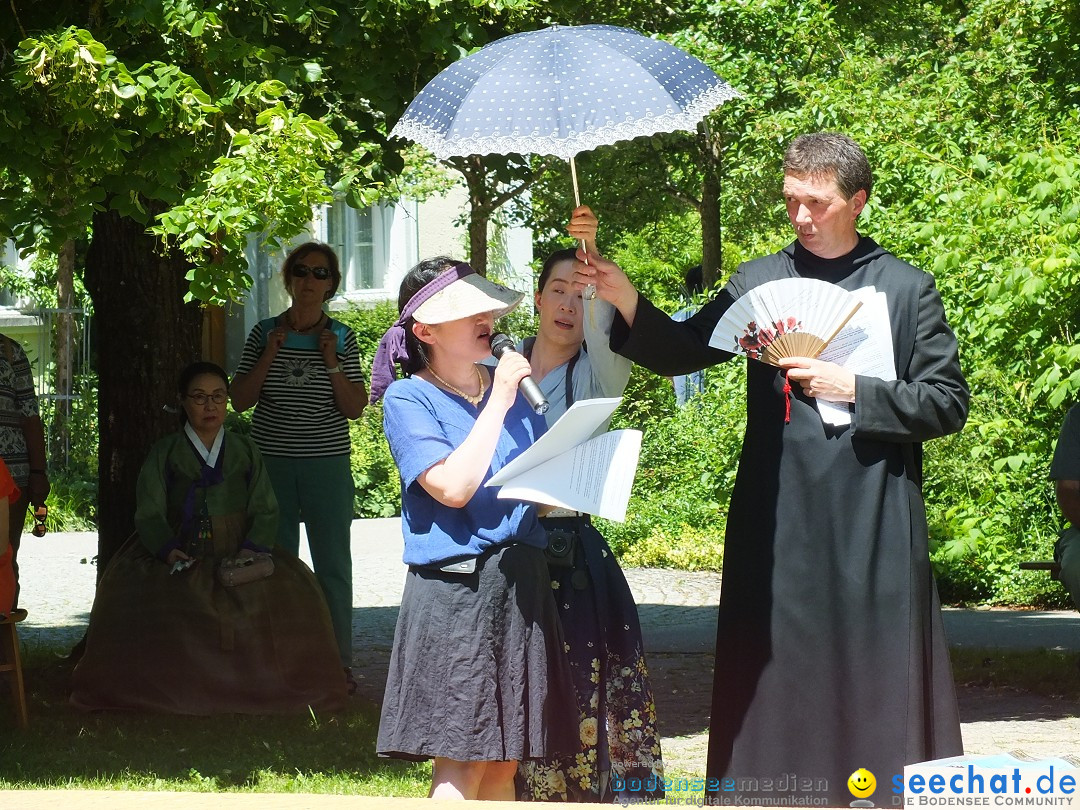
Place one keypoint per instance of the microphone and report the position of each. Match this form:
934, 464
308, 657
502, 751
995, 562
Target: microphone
500, 345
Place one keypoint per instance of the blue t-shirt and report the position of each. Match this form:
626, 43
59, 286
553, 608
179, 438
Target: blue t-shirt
424, 425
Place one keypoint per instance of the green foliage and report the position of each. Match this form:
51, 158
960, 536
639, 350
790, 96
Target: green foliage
369, 324
686, 472
72, 499
72, 503
375, 476
990, 505
269, 182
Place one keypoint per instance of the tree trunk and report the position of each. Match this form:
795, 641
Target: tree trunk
472, 168
711, 244
710, 227
65, 341
145, 334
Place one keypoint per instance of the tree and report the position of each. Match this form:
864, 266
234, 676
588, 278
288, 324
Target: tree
117, 146
203, 124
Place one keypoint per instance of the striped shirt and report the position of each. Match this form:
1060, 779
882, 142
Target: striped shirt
296, 416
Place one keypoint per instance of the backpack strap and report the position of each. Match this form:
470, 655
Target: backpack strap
570, 378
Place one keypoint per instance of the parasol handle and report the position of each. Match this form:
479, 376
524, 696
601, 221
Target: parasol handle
589, 293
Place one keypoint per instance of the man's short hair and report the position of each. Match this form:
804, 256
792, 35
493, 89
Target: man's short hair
830, 154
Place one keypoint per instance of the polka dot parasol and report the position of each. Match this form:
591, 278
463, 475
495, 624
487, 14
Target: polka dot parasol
560, 91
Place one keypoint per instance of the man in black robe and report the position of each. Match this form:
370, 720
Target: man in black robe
830, 651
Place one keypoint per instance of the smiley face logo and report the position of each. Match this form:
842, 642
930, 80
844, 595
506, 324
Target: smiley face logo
861, 783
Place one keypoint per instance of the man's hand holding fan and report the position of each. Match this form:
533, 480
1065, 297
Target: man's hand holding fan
787, 323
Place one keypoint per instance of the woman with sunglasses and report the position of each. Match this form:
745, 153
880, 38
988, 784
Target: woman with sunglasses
301, 370
478, 680
172, 629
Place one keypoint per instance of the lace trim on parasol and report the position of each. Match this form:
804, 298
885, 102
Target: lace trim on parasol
564, 148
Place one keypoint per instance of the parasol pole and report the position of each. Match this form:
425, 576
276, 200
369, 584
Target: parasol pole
589, 292
590, 289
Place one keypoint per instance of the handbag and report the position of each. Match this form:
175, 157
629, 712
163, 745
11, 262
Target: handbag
233, 571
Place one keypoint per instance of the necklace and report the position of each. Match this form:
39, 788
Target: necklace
470, 398
292, 325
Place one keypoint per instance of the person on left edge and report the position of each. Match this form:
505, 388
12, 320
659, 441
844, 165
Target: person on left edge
22, 442
8, 493
301, 370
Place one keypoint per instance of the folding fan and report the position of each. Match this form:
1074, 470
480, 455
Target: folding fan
789, 317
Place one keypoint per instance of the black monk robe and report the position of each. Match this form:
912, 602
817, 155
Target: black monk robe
830, 649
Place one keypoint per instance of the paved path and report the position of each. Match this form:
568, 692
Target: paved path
678, 615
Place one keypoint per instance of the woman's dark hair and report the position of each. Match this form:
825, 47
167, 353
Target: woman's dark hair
415, 280
188, 375
299, 252
566, 254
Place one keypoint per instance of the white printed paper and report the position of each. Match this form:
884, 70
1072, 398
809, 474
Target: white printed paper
571, 468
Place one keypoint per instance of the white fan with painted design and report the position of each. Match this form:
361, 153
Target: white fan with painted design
789, 317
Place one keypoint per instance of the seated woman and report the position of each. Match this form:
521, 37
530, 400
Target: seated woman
166, 634
9, 494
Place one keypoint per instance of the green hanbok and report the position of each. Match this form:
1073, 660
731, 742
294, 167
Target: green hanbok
182, 642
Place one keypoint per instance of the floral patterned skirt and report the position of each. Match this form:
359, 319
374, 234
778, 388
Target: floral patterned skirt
620, 746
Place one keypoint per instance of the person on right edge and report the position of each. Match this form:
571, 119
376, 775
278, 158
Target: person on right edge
1065, 472
830, 651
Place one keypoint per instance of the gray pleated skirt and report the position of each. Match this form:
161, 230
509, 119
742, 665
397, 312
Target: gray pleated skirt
478, 671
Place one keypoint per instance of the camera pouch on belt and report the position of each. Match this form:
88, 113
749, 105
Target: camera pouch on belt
562, 548
564, 551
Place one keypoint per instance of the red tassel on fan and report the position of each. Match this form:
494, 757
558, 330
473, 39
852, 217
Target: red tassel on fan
787, 399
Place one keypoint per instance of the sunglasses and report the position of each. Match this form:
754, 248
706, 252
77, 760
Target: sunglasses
302, 270
40, 513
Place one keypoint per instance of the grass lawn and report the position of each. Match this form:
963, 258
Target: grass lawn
68, 748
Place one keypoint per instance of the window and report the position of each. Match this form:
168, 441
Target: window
351, 233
